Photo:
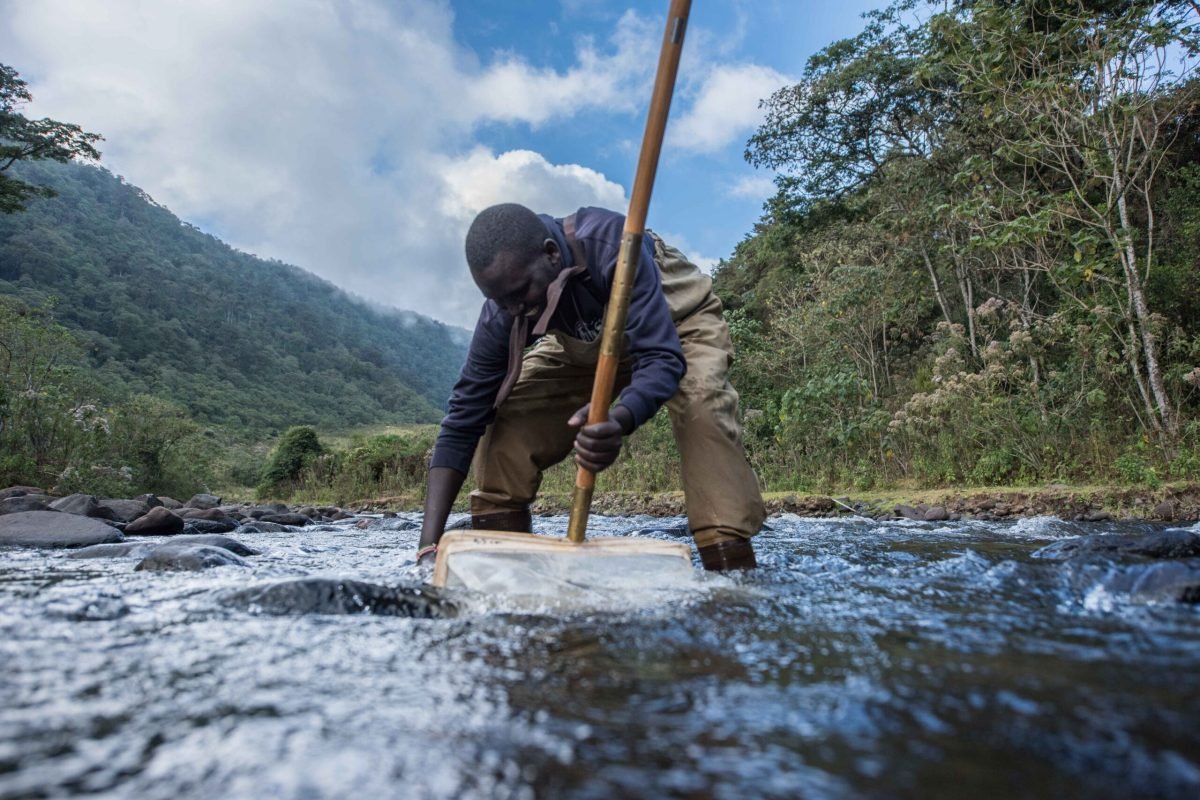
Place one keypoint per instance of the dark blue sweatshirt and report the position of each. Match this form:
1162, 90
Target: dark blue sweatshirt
654, 349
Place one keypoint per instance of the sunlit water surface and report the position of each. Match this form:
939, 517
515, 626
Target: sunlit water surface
861, 659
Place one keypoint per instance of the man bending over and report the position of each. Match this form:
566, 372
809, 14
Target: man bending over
518, 413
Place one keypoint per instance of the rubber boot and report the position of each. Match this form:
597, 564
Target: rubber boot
721, 552
518, 521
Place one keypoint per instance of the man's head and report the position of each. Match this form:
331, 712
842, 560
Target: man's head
512, 258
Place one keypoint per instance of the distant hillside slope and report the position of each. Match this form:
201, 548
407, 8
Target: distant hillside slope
250, 344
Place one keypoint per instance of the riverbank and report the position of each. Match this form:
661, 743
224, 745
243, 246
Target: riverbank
1168, 503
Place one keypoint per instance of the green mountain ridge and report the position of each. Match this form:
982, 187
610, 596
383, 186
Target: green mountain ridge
250, 344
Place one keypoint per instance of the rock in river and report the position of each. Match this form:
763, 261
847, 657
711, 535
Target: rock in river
297, 520
203, 501
26, 502
209, 526
176, 557
84, 505
158, 521
1162, 544
334, 596
144, 548
53, 529
124, 510
1165, 582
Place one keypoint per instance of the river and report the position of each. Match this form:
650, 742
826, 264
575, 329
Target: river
862, 659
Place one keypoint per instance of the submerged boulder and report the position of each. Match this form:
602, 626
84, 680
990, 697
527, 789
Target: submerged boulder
116, 550
1161, 544
258, 526
1164, 582
183, 557
144, 548
296, 520
53, 529
193, 526
335, 596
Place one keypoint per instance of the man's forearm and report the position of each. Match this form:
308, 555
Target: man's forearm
441, 487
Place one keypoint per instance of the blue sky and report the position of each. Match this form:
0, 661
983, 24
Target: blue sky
357, 138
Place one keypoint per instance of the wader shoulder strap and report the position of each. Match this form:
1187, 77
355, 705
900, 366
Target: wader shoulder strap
573, 243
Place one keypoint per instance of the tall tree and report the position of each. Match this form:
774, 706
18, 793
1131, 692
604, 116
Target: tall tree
23, 139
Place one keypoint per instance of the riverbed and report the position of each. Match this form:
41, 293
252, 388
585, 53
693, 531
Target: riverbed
862, 659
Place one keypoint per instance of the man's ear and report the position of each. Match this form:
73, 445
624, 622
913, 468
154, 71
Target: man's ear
550, 248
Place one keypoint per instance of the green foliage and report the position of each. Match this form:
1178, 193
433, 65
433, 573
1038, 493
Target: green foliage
47, 424
958, 282
23, 139
56, 432
298, 448
248, 345
165, 450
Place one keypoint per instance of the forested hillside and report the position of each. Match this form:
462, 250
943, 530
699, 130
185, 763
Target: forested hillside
983, 261
164, 309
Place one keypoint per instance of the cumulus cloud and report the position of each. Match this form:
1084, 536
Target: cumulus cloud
725, 108
340, 135
480, 179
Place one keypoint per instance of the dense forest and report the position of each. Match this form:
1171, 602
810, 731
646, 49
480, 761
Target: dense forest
254, 346
138, 353
982, 264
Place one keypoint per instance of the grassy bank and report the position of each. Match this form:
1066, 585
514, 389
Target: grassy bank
387, 470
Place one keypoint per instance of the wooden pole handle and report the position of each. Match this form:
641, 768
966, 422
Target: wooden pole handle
631, 249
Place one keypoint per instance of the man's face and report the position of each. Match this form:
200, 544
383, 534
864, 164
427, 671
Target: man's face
519, 286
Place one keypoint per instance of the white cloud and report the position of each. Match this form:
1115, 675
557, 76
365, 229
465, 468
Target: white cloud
481, 179
514, 91
725, 107
338, 135
758, 187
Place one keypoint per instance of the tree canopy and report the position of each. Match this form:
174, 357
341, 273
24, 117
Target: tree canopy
23, 139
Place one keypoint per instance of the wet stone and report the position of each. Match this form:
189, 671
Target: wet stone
145, 548
387, 524
258, 526
194, 526
296, 520
174, 557
216, 540
334, 596
54, 529
84, 505
25, 502
678, 531
94, 609
1162, 544
19, 491
125, 510
149, 499
116, 550
157, 521
1165, 582
203, 501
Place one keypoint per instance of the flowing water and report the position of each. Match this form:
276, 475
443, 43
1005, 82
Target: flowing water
861, 660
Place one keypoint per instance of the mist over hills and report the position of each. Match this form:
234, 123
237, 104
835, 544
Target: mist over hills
250, 344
